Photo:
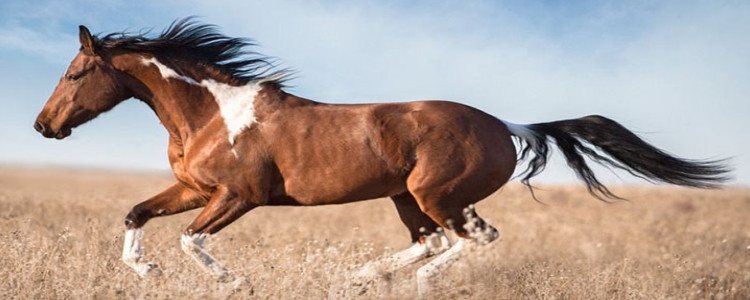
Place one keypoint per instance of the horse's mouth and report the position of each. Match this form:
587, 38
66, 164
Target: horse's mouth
63, 133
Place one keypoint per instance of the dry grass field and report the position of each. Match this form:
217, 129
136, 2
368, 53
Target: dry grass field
62, 235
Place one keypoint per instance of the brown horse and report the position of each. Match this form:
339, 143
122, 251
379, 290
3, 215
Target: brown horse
237, 141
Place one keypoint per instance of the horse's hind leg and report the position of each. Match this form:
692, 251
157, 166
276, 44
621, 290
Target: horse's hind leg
174, 200
473, 230
428, 239
223, 208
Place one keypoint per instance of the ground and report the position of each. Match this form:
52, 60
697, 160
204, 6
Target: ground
62, 237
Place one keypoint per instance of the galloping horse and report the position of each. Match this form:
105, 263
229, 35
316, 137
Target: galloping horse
238, 141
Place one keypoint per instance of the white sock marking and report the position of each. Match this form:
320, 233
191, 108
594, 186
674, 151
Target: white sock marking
389, 264
132, 252
434, 244
193, 246
436, 266
236, 103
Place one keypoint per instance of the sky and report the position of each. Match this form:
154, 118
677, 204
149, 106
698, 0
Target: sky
675, 72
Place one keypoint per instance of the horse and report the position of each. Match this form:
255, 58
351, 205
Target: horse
238, 140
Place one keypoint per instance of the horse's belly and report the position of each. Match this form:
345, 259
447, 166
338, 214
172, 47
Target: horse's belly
355, 185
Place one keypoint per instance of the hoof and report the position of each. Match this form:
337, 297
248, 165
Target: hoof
152, 270
225, 277
361, 279
235, 284
360, 287
144, 270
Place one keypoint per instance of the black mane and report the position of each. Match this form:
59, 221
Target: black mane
186, 39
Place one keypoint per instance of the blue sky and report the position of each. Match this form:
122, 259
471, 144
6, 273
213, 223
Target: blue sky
677, 72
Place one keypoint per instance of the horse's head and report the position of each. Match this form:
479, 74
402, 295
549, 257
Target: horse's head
90, 86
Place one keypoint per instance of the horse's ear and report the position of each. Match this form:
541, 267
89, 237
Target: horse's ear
87, 41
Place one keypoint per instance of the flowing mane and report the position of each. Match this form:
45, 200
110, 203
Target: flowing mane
187, 40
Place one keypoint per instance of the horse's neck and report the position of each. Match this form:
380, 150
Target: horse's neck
182, 104
185, 103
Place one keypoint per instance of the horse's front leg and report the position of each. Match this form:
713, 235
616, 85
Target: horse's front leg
175, 199
224, 207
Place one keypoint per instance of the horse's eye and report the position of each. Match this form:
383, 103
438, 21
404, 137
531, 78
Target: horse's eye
73, 77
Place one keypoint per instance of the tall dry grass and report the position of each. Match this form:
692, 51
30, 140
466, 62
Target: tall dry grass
62, 232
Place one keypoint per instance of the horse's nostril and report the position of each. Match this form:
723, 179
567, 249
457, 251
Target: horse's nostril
39, 127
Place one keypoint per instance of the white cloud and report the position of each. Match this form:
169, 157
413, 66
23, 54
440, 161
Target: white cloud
46, 45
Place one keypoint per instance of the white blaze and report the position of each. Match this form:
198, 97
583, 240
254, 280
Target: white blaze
236, 103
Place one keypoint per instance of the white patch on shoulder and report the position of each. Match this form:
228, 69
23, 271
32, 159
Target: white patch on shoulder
236, 103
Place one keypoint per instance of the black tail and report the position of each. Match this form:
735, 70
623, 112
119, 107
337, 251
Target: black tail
624, 151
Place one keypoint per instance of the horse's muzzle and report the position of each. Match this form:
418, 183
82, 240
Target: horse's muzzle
46, 132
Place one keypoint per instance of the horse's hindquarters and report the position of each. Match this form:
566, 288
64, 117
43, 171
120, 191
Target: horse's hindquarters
466, 156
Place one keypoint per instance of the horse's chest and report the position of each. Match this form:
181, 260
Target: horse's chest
177, 162
182, 175
207, 159
196, 166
